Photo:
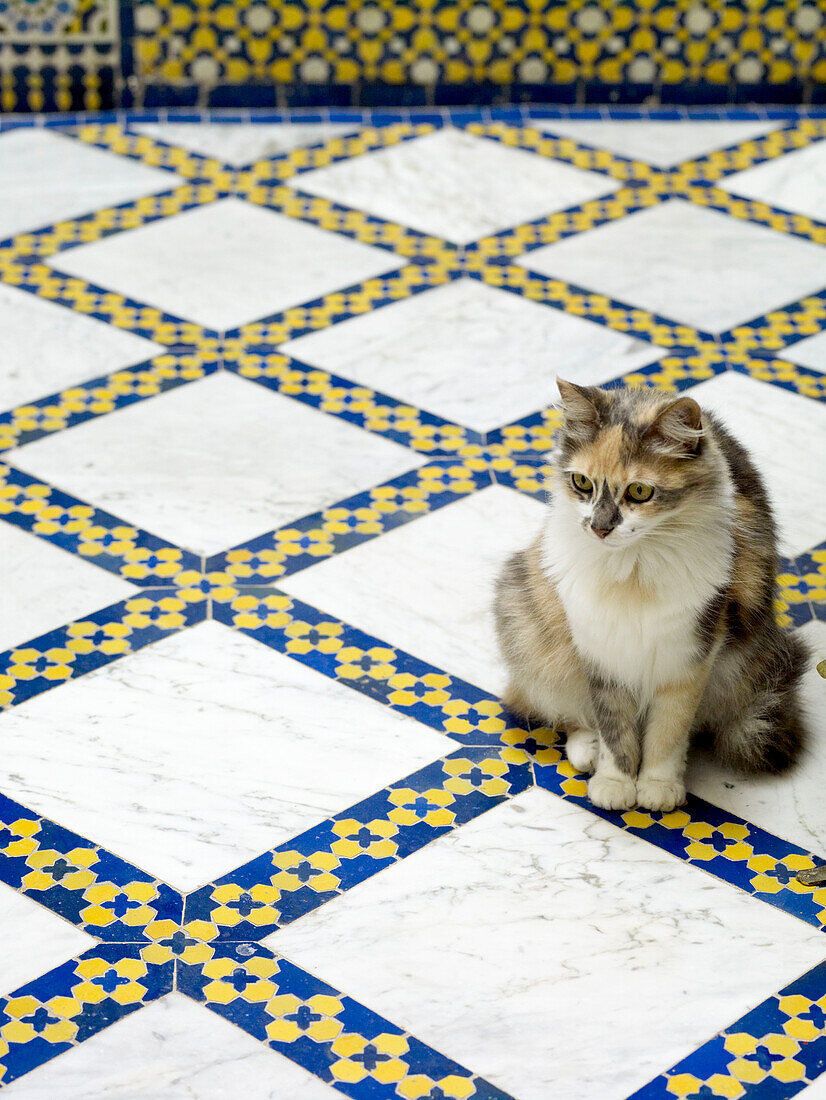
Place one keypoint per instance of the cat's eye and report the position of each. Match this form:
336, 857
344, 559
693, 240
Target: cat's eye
638, 492
582, 483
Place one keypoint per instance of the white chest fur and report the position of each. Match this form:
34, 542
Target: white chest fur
636, 623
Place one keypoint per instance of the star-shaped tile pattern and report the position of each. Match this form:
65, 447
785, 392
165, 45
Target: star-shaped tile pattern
289, 415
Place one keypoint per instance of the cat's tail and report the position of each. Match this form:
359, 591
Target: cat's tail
769, 735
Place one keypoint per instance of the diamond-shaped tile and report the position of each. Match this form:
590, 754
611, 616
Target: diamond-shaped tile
46, 177
789, 805
174, 1049
225, 263
34, 939
690, 264
796, 181
238, 143
428, 586
536, 944
45, 348
472, 353
662, 143
780, 430
456, 185
203, 750
215, 462
810, 352
44, 587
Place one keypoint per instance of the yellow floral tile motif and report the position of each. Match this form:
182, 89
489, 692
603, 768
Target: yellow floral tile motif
778, 1062
377, 844
460, 42
28, 422
188, 942
384, 1063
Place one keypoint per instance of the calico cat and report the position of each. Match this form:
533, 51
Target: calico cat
642, 614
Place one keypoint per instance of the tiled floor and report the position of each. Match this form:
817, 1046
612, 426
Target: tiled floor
278, 397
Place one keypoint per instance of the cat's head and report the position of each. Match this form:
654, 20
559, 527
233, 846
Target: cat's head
629, 461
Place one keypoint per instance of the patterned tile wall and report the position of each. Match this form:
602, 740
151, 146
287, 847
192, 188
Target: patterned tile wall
87, 54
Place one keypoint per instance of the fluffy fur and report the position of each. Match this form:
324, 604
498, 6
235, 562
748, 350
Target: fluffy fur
637, 624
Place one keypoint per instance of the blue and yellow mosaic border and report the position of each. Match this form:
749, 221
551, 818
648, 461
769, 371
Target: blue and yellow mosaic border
153, 938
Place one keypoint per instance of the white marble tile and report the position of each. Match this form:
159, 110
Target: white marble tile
689, 264
784, 433
455, 185
817, 1090
203, 750
810, 352
791, 805
45, 587
428, 586
550, 952
47, 177
45, 348
796, 181
34, 940
214, 463
662, 143
240, 143
471, 353
225, 263
174, 1049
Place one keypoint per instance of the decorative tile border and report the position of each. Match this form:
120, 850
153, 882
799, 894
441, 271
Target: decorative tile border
99, 396
348, 523
96, 640
280, 886
456, 51
145, 928
73, 1002
771, 1053
60, 56
91, 533
358, 1052
81, 882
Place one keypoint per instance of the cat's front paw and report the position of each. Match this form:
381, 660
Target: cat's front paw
612, 794
582, 749
660, 794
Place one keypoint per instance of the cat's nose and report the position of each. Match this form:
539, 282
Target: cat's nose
603, 532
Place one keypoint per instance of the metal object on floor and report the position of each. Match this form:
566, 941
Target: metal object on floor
813, 876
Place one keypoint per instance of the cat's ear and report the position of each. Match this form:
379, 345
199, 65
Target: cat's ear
581, 406
678, 428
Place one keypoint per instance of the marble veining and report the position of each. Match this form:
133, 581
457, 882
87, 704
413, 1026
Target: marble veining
687, 263
540, 945
472, 353
781, 447
34, 940
428, 586
551, 952
46, 177
46, 348
225, 263
456, 185
212, 463
171, 1050
44, 587
203, 750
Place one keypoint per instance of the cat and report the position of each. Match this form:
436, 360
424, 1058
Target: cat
642, 615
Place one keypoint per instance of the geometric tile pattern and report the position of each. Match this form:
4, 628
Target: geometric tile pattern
206, 944
87, 54
631, 46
